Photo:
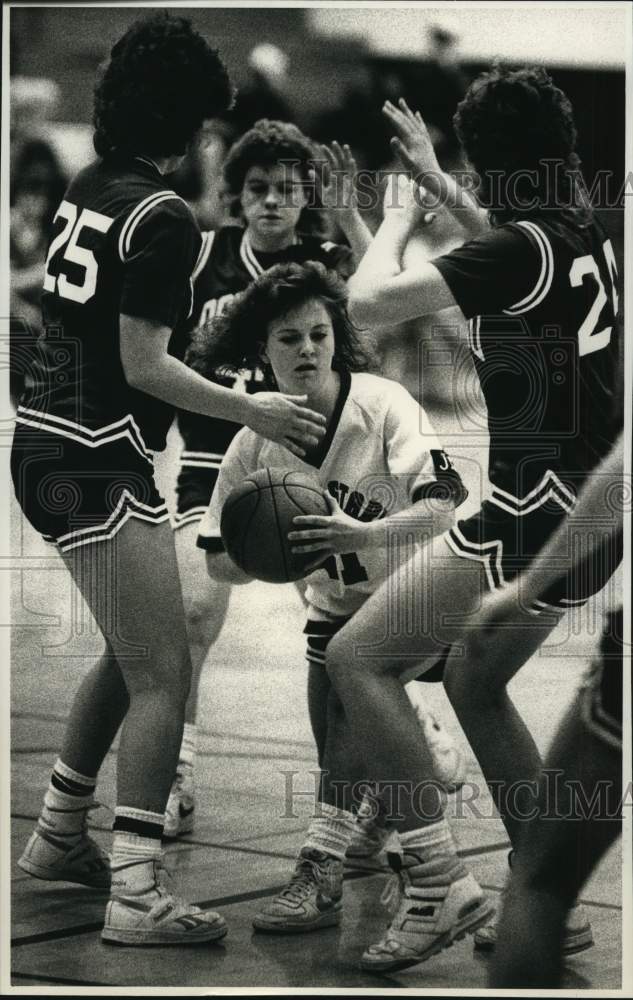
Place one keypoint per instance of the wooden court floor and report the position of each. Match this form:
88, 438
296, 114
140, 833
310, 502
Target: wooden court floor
256, 758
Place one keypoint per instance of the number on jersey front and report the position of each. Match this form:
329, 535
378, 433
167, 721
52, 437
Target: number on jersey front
590, 339
74, 253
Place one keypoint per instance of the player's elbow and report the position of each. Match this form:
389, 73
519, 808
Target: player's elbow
136, 375
361, 309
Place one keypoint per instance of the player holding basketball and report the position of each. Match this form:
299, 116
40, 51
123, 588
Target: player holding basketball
118, 277
539, 288
270, 173
386, 477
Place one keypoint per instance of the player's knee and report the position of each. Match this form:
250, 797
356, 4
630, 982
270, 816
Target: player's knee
204, 619
340, 661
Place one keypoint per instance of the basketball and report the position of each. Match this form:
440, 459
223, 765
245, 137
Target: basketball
257, 517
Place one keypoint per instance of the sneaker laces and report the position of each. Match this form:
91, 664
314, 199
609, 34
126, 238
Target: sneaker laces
392, 894
305, 876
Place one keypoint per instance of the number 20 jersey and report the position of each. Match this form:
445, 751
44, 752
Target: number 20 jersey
541, 298
123, 242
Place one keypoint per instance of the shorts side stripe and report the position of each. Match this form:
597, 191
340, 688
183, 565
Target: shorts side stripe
489, 554
126, 499
191, 516
550, 481
128, 507
82, 440
125, 427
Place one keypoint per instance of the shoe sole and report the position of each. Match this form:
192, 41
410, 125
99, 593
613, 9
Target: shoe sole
325, 920
53, 875
458, 933
185, 826
181, 832
148, 939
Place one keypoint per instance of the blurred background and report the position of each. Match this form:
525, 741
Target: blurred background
327, 69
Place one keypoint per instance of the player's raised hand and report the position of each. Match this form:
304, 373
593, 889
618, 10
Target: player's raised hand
412, 142
331, 534
334, 176
283, 419
405, 197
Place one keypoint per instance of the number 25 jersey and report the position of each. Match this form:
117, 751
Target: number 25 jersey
541, 297
122, 242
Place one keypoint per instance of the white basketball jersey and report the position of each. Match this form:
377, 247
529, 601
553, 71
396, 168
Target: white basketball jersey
379, 456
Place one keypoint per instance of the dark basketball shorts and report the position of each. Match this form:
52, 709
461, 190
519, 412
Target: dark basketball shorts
319, 633
204, 444
601, 694
77, 485
196, 481
505, 543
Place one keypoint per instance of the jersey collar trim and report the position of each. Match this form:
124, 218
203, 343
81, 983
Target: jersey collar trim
150, 163
249, 259
319, 456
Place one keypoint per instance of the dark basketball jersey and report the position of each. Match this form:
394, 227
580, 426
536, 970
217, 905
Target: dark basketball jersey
123, 242
542, 302
227, 265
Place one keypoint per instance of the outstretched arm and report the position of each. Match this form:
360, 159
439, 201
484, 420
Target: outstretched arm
148, 367
385, 289
335, 179
413, 147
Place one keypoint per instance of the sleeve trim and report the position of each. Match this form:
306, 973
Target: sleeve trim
135, 216
546, 276
210, 543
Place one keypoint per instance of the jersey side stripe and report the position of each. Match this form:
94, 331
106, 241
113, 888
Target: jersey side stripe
203, 256
546, 276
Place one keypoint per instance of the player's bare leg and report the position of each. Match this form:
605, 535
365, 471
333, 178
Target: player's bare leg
139, 610
476, 677
206, 602
319, 687
556, 856
97, 711
144, 625
439, 900
406, 623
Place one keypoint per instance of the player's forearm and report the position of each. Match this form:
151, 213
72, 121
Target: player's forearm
357, 233
419, 523
173, 382
370, 288
447, 192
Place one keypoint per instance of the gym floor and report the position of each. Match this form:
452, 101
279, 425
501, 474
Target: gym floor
255, 758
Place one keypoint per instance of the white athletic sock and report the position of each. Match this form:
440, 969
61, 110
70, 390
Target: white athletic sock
134, 853
331, 832
66, 803
432, 853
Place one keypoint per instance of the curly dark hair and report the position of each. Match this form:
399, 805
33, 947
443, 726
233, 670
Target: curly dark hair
235, 338
267, 144
511, 123
163, 80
